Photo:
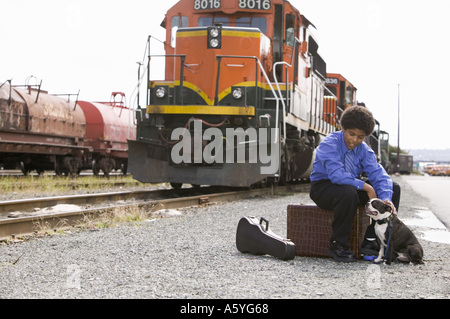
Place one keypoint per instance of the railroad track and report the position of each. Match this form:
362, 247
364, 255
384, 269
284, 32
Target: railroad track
24, 218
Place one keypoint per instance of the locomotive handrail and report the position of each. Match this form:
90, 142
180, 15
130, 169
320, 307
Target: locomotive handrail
279, 91
183, 59
219, 59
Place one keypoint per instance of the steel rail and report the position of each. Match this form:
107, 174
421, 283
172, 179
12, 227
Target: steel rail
7, 207
11, 228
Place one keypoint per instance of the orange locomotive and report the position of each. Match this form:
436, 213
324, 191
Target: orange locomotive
242, 102
340, 95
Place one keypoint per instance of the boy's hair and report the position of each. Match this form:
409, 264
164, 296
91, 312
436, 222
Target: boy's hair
358, 117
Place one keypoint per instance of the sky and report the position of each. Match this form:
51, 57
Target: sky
394, 51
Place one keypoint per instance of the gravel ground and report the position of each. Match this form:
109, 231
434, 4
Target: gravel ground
193, 255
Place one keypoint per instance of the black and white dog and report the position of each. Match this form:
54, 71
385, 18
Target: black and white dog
403, 244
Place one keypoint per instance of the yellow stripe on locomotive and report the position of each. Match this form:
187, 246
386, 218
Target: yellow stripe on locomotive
201, 110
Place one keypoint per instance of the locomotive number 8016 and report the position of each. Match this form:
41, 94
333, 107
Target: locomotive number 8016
255, 4
206, 4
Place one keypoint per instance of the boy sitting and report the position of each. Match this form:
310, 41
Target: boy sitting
336, 185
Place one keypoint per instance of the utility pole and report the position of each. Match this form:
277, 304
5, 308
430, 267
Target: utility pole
398, 135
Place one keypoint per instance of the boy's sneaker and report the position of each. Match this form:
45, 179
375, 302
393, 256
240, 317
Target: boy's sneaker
369, 249
341, 253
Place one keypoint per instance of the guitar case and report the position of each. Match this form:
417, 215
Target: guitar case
253, 236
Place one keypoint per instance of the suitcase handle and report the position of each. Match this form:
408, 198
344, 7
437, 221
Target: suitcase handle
266, 221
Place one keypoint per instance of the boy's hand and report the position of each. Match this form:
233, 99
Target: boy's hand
394, 211
370, 191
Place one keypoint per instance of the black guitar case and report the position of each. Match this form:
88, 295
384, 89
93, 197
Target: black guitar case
255, 238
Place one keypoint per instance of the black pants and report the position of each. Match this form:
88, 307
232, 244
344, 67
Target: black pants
343, 200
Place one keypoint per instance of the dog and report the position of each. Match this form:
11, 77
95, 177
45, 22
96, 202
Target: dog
403, 243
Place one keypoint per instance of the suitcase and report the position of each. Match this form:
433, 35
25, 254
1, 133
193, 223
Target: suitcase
309, 227
255, 237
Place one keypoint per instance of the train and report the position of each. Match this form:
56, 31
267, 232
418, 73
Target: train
245, 100
45, 132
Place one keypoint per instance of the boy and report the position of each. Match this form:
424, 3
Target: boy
335, 185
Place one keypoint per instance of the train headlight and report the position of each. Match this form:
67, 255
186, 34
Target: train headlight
161, 93
215, 37
238, 93
214, 32
214, 43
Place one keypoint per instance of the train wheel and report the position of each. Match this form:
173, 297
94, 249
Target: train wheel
67, 166
265, 183
282, 179
176, 186
25, 168
59, 169
95, 168
71, 165
107, 165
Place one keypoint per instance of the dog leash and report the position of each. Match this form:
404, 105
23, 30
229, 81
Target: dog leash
388, 243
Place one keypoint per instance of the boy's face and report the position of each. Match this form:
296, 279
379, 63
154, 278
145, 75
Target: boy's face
353, 138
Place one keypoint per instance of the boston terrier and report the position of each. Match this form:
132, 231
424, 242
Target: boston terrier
403, 244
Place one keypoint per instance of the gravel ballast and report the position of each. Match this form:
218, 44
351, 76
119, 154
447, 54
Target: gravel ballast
193, 255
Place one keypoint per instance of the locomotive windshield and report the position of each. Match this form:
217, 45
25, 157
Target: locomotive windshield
177, 22
253, 22
243, 22
210, 21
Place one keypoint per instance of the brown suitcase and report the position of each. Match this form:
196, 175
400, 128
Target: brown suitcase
309, 228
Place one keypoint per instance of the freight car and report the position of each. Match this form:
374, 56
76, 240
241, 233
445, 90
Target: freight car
404, 166
244, 100
108, 127
39, 131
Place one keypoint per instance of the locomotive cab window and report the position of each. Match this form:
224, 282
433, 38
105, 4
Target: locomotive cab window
177, 22
211, 21
245, 22
252, 22
349, 95
290, 30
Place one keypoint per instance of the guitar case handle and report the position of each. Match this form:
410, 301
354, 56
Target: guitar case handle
266, 221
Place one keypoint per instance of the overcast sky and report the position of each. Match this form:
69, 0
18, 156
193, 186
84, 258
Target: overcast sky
94, 46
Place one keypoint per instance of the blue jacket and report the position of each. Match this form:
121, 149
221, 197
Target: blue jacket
329, 164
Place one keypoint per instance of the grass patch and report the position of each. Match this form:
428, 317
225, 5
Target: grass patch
117, 216
60, 184
113, 218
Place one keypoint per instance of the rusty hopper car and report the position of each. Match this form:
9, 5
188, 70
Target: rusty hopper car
242, 102
107, 131
40, 132
43, 132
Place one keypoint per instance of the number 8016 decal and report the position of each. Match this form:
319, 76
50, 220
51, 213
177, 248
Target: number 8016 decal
255, 4
206, 4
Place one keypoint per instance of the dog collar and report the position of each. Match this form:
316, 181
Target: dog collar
385, 220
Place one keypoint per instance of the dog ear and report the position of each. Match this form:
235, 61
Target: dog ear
388, 208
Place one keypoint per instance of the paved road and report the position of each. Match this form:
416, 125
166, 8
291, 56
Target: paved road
437, 190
